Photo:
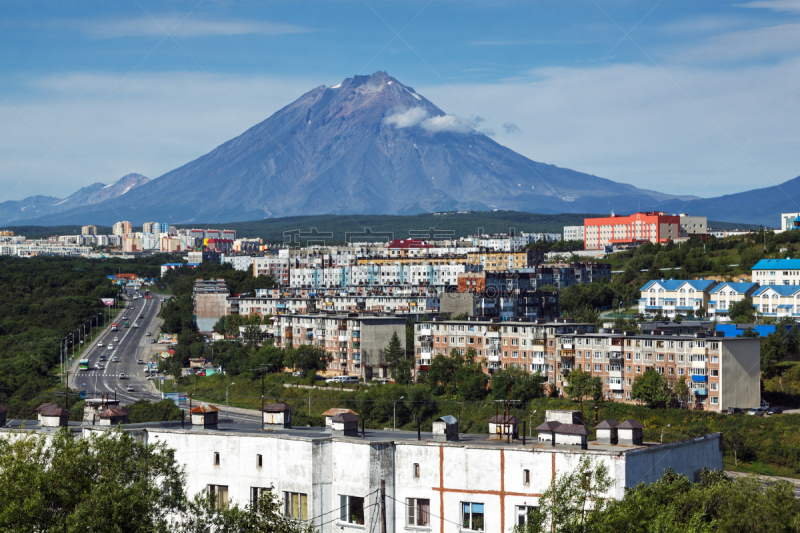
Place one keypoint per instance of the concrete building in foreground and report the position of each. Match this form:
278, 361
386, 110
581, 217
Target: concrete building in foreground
438, 483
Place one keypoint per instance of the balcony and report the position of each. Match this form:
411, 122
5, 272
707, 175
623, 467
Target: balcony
568, 360
615, 361
700, 392
565, 371
566, 346
427, 332
700, 364
699, 351
615, 373
494, 358
492, 334
699, 379
615, 386
343, 338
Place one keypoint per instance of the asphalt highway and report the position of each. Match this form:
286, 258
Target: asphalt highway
133, 344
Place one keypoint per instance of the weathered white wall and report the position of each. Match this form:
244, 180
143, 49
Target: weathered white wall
647, 465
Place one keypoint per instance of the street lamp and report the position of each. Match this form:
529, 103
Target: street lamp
662, 432
394, 412
227, 408
530, 424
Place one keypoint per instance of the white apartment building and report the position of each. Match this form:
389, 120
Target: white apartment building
675, 296
574, 233
776, 272
122, 228
724, 295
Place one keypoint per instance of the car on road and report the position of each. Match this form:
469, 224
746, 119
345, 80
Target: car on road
122, 375
115, 359
151, 376
130, 388
342, 379
140, 362
100, 344
756, 411
147, 334
135, 325
110, 346
116, 339
141, 316
99, 366
124, 317
102, 357
774, 410
152, 341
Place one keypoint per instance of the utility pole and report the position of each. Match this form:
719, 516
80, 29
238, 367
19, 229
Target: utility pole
383, 506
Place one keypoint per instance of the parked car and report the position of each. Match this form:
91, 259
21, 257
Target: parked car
147, 334
140, 362
342, 379
130, 388
152, 341
756, 411
298, 373
202, 374
774, 410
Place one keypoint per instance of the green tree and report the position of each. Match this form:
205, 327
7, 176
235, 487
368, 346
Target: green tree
269, 357
419, 401
253, 335
461, 316
742, 312
579, 386
307, 359
774, 349
682, 391
397, 361
517, 384
147, 411
650, 388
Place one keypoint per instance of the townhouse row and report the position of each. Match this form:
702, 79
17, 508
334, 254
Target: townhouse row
721, 372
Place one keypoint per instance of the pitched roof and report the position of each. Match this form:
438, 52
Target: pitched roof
675, 284
572, 429
608, 424
51, 409
739, 286
200, 409
345, 417
631, 424
778, 264
276, 408
113, 411
338, 410
548, 426
783, 290
503, 419
449, 419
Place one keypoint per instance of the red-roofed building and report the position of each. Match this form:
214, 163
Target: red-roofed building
408, 248
219, 245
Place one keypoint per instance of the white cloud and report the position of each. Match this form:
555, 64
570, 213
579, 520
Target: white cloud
747, 44
406, 119
418, 116
774, 5
177, 25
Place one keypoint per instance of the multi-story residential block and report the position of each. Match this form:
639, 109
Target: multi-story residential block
724, 295
267, 304
210, 302
272, 265
89, 230
408, 248
721, 372
219, 245
155, 227
695, 227
492, 261
675, 296
777, 300
238, 262
623, 231
356, 341
122, 228
574, 233
504, 304
382, 274
776, 272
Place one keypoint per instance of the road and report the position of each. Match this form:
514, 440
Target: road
132, 345
765, 480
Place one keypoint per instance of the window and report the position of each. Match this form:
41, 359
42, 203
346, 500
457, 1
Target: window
295, 505
714, 373
419, 512
714, 400
259, 461
219, 496
523, 511
526, 477
216, 458
256, 493
351, 509
472, 516
416, 469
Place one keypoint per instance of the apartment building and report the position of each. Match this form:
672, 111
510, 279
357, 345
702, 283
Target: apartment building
694, 227
777, 301
122, 228
155, 227
623, 231
346, 303
776, 272
272, 265
438, 483
503, 304
238, 262
490, 260
721, 372
574, 233
378, 274
724, 295
675, 296
356, 341
89, 230
210, 302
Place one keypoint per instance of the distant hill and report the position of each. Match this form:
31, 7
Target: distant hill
367, 145
42, 206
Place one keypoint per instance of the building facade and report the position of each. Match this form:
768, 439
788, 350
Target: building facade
674, 296
574, 233
122, 228
623, 231
776, 272
724, 295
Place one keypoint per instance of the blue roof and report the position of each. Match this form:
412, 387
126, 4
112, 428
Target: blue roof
778, 264
740, 287
783, 290
674, 284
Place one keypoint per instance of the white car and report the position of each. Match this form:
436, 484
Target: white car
99, 366
110, 346
100, 344
122, 375
116, 339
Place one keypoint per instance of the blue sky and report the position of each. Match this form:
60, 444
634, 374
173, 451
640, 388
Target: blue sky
684, 97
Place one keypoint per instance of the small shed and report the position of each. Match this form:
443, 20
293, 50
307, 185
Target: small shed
546, 430
93, 406
277, 416
445, 428
630, 432
502, 425
52, 415
571, 435
113, 415
3, 414
204, 417
565, 416
330, 413
607, 431
344, 425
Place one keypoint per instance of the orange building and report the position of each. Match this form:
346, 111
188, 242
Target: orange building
655, 226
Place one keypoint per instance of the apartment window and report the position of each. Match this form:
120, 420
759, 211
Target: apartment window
715, 359
419, 512
671, 357
216, 458
416, 469
351, 509
259, 461
714, 386
472, 516
295, 505
714, 373
526, 477
523, 511
714, 400
256, 493
219, 496
638, 370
